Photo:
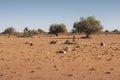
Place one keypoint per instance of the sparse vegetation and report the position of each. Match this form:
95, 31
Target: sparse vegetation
88, 26
9, 31
106, 31
115, 31
40, 31
57, 28
29, 33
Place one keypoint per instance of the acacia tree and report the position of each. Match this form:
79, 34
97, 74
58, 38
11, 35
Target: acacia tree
115, 31
39, 31
88, 26
26, 30
57, 28
53, 28
31, 32
9, 31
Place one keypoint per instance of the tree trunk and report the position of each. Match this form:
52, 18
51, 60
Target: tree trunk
87, 35
73, 38
56, 34
9, 36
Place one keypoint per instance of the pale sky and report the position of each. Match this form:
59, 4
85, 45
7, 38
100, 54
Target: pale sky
42, 13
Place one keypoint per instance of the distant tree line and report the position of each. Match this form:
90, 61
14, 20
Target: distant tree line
113, 31
26, 32
87, 25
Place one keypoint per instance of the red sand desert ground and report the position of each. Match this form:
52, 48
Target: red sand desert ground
41, 61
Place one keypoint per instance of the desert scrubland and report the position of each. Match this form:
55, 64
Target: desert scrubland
41, 61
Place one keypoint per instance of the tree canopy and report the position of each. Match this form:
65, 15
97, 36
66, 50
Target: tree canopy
57, 28
115, 31
87, 25
9, 30
31, 32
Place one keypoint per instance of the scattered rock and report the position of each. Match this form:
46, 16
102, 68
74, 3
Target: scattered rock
19, 75
76, 47
68, 42
63, 42
38, 68
32, 71
83, 37
99, 57
57, 69
67, 49
116, 49
2, 59
102, 44
111, 69
29, 43
53, 42
109, 59
70, 75
62, 51
92, 69
54, 66
107, 72
71, 42
1, 75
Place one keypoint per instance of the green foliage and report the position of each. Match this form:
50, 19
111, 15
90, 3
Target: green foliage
116, 31
40, 31
88, 26
29, 33
9, 30
57, 28
106, 31
62, 28
26, 30
73, 30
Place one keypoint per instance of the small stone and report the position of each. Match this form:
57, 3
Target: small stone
109, 59
92, 69
1, 75
32, 71
107, 72
70, 75
102, 44
71, 42
29, 43
62, 51
63, 42
67, 49
54, 66
83, 37
53, 42
75, 48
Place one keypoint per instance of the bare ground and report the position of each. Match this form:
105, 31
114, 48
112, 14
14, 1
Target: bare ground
41, 61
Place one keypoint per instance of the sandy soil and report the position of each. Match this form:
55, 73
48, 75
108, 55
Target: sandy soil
41, 61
